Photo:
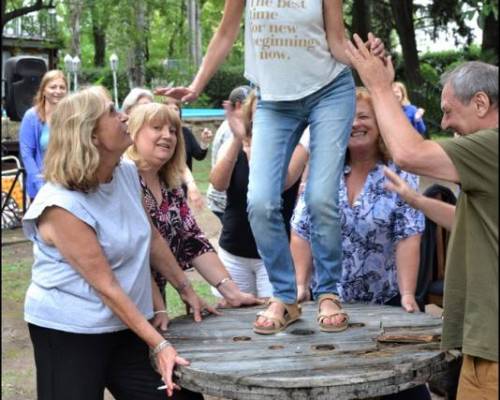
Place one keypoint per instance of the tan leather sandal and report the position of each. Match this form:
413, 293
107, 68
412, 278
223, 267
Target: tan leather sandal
292, 314
322, 316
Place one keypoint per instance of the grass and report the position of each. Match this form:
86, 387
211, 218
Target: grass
15, 280
201, 171
175, 306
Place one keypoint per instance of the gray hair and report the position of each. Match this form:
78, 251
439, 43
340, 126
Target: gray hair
472, 77
134, 96
239, 94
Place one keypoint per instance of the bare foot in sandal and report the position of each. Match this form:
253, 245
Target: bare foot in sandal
275, 310
277, 317
331, 316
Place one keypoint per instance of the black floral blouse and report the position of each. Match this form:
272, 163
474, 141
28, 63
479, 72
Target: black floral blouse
175, 222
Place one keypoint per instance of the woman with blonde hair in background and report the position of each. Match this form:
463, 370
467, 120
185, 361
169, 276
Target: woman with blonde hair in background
413, 113
91, 292
35, 128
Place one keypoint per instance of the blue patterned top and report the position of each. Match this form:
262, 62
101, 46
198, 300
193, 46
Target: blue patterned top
371, 229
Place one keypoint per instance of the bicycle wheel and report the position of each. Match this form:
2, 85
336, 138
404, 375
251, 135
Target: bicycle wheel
11, 214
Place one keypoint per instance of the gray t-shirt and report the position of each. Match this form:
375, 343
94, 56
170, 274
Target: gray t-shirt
58, 296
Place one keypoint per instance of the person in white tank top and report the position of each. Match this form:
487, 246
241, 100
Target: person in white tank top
295, 57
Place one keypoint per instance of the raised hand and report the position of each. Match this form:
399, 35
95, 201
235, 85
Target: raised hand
376, 46
372, 70
234, 116
419, 114
206, 136
398, 185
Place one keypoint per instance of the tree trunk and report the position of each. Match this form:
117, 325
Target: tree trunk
193, 11
402, 11
177, 32
137, 56
361, 18
99, 46
382, 23
100, 20
489, 47
75, 11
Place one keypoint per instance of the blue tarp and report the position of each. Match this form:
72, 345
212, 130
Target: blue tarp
202, 113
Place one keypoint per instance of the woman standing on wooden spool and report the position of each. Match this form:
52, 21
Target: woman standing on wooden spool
295, 56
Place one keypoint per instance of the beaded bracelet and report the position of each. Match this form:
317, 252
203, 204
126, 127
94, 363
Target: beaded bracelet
160, 346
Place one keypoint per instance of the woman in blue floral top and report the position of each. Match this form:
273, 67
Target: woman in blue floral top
380, 232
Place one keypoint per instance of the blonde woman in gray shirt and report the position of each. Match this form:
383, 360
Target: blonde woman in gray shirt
90, 296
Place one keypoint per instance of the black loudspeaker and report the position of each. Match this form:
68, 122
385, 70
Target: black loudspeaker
22, 79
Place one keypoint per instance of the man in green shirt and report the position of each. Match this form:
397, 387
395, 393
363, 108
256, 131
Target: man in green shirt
469, 102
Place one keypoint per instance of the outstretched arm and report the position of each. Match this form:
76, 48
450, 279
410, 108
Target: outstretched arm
211, 268
217, 51
164, 262
438, 211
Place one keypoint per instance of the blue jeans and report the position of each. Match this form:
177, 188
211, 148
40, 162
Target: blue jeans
277, 128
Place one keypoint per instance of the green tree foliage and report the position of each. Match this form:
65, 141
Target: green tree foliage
17, 8
111, 26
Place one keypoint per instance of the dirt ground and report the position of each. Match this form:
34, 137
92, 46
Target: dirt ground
18, 371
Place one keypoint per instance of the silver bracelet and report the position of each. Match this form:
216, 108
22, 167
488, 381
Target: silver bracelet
160, 312
222, 281
160, 346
